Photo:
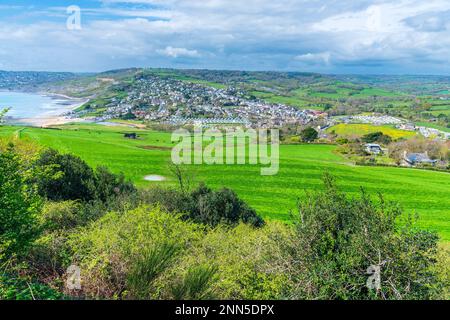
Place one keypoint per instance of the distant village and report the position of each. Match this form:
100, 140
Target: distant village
171, 101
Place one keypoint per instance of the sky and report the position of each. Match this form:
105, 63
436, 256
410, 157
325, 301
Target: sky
325, 36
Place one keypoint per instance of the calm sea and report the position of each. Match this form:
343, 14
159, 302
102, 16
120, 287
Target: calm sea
29, 105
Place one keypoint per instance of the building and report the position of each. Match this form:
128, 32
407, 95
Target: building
373, 148
413, 159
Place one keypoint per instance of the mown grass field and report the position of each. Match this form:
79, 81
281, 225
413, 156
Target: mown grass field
426, 193
343, 129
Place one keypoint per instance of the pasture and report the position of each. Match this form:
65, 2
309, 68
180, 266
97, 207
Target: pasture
426, 193
349, 130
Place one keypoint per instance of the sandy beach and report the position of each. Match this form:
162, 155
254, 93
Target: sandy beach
47, 120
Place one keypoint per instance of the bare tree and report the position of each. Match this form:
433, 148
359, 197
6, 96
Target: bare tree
183, 175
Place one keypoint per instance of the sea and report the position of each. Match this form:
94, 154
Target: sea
32, 105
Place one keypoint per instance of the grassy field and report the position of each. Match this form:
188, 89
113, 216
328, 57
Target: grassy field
363, 129
301, 168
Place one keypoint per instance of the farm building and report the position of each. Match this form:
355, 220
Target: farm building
413, 159
373, 148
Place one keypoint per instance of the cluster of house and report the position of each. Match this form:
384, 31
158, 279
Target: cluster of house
409, 159
207, 122
168, 100
425, 131
372, 119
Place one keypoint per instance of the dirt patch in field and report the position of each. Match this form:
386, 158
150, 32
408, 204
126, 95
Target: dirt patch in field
155, 148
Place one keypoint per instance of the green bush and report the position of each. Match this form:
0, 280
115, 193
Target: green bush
309, 135
63, 215
19, 206
338, 238
204, 205
115, 251
17, 288
196, 284
109, 186
246, 261
71, 178
377, 137
222, 206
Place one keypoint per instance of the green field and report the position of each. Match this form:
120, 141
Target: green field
363, 129
301, 168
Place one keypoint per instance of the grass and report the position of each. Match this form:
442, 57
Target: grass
375, 92
301, 168
363, 129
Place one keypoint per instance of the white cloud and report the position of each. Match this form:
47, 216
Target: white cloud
253, 34
179, 52
315, 58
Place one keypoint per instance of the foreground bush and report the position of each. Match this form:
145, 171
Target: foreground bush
204, 205
19, 206
245, 260
14, 288
71, 178
338, 238
119, 249
149, 254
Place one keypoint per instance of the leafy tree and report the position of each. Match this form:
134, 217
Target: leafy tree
71, 178
377, 137
309, 135
19, 206
128, 116
76, 180
2, 114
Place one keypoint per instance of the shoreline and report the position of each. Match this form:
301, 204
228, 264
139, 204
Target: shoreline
44, 121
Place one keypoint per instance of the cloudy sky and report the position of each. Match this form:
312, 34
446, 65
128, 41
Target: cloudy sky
329, 36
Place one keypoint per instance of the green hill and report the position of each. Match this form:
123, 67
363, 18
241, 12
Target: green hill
301, 168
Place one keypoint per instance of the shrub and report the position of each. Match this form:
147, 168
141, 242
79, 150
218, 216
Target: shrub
146, 267
61, 215
204, 205
309, 135
338, 238
122, 255
223, 206
196, 284
18, 288
242, 264
377, 137
19, 206
71, 178
109, 185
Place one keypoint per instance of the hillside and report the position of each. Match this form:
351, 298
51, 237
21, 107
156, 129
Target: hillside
301, 168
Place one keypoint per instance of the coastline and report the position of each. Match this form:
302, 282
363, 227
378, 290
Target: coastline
59, 118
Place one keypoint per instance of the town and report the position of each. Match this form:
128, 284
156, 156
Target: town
171, 101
